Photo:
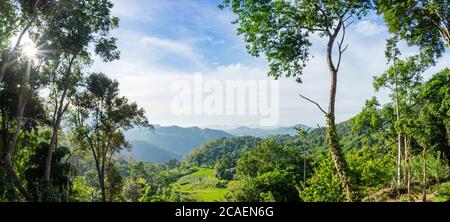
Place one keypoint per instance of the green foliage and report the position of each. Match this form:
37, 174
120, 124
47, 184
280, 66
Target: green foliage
372, 168
437, 168
83, 192
418, 22
70, 31
58, 188
443, 193
215, 150
114, 183
135, 189
268, 168
323, 185
223, 169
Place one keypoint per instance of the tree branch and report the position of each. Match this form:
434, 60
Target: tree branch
315, 103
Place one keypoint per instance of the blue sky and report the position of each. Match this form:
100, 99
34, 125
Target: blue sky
165, 41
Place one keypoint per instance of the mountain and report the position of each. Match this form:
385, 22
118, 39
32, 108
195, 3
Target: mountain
175, 139
146, 152
264, 133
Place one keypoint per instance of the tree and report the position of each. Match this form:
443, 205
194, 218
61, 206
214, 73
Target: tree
282, 29
69, 33
402, 79
223, 169
100, 118
424, 23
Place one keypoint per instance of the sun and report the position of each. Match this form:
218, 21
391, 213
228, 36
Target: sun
30, 50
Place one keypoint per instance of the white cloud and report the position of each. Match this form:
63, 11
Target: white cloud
155, 44
369, 28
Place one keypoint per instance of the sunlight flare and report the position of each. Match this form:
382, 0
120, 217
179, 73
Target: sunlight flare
30, 50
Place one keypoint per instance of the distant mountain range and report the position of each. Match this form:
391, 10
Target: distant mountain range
176, 141
168, 142
263, 133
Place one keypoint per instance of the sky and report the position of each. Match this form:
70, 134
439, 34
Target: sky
168, 43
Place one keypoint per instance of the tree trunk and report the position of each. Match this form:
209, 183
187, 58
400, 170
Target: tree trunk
424, 178
53, 141
101, 176
23, 96
408, 167
332, 137
59, 113
102, 186
338, 158
399, 135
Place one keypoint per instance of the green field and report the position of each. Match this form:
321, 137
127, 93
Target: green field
201, 186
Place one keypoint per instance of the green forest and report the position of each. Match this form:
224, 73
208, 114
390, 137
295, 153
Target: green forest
63, 128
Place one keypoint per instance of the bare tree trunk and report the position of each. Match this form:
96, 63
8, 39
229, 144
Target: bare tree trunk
23, 96
103, 177
424, 178
407, 141
399, 135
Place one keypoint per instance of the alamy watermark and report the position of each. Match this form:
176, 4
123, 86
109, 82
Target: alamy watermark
237, 97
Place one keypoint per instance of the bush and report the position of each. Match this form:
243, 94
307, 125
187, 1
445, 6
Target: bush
324, 185
443, 193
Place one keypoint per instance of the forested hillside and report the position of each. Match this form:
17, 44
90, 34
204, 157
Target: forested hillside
71, 134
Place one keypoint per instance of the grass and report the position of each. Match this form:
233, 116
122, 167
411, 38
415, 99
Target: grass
201, 186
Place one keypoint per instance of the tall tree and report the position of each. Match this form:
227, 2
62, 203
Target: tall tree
281, 29
392, 53
68, 32
100, 118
